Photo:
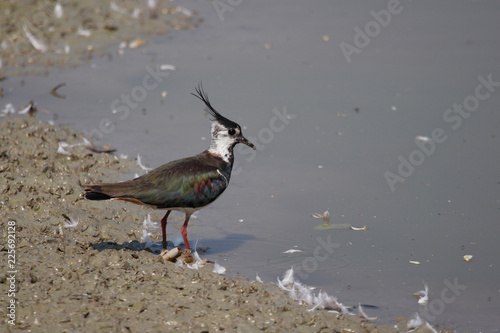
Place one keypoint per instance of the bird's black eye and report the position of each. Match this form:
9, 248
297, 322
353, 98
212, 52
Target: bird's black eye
232, 131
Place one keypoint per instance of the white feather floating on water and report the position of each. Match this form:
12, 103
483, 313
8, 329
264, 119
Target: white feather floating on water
304, 294
293, 251
287, 279
26, 109
325, 216
423, 295
364, 315
167, 67
417, 322
422, 138
142, 166
358, 228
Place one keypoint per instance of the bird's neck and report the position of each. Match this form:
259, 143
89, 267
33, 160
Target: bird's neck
223, 162
222, 150
221, 146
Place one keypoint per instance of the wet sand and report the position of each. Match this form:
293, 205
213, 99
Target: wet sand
80, 266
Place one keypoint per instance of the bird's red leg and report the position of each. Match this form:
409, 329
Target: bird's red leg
184, 231
163, 229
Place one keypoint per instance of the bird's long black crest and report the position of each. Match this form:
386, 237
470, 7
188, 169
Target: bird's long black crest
201, 95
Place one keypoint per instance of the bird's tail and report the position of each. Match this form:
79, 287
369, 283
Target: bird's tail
103, 191
121, 191
96, 195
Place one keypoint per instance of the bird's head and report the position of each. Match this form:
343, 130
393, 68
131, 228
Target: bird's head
225, 133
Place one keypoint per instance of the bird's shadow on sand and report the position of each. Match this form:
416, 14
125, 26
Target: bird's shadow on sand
213, 246
134, 245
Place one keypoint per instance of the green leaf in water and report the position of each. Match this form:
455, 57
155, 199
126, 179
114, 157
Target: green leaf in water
325, 226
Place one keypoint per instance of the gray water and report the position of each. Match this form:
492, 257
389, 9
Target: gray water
353, 116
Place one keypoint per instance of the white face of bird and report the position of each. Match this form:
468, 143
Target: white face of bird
224, 138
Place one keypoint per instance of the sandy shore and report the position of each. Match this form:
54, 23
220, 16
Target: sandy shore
70, 265
36, 36
80, 265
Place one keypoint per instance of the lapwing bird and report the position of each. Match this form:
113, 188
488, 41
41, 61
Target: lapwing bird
184, 185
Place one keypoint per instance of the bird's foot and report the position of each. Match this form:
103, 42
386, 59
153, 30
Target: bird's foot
186, 256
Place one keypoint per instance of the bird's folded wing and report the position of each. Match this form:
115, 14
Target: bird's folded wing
172, 187
193, 189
